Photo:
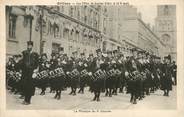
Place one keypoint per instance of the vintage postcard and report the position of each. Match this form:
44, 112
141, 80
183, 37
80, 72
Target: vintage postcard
92, 58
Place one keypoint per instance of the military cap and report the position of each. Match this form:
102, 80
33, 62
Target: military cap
91, 54
168, 57
121, 54
147, 53
19, 55
98, 50
74, 52
30, 43
44, 54
133, 49
53, 54
82, 54
109, 52
115, 51
61, 49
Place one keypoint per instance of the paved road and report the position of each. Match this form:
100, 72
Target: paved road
84, 101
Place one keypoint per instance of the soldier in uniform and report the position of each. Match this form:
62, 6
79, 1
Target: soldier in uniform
122, 67
74, 80
133, 84
89, 70
28, 65
59, 80
166, 81
43, 66
53, 65
98, 82
82, 65
116, 67
109, 78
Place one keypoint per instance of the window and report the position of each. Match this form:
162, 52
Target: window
55, 47
56, 30
12, 26
65, 33
71, 11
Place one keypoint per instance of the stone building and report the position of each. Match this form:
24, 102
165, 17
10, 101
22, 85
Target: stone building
166, 28
50, 27
134, 33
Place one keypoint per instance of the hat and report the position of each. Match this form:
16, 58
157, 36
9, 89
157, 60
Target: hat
98, 50
133, 49
147, 53
82, 53
121, 54
168, 57
109, 52
74, 52
53, 54
90, 54
115, 51
30, 43
141, 52
61, 49
44, 54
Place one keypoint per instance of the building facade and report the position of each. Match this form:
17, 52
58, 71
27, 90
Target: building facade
134, 33
50, 27
81, 29
166, 28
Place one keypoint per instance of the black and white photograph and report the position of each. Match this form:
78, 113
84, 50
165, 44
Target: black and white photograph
91, 57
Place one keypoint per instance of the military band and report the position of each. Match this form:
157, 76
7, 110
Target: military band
110, 73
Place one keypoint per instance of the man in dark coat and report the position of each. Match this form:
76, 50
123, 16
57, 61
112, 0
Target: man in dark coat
166, 80
29, 63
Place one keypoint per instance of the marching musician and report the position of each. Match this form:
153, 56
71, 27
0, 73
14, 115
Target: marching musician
109, 79
53, 64
98, 83
166, 79
133, 85
89, 69
116, 78
28, 65
43, 66
74, 80
59, 80
82, 65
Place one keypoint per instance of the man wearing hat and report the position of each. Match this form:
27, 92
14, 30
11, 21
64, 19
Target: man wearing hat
166, 80
98, 83
74, 81
82, 65
28, 65
43, 65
